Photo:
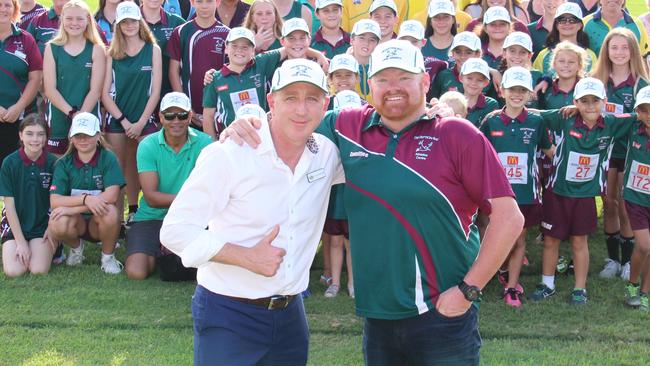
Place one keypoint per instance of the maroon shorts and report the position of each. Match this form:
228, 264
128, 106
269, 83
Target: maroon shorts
639, 215
337, 227
532, 214
57, 146
617, 163
568, 216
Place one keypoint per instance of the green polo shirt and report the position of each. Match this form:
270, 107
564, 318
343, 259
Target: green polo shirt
429, 50
582, 154
555, 98
597, 28
172, 168
516, 141
163, 31
330, 50
228, 90
483, 106
28, 182
620, 99
446, 80
43, 28
538, 35
637, 167
72, 177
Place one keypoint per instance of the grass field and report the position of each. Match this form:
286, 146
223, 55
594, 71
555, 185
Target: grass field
80, 316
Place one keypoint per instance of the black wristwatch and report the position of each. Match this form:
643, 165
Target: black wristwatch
471, 293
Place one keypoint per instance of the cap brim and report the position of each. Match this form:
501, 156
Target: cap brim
412, 70
280, 87
517, 84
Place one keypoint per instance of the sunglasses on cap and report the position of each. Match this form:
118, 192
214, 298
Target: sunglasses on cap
570, 20
170, 116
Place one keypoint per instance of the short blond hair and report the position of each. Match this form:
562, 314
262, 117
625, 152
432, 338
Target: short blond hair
455, 101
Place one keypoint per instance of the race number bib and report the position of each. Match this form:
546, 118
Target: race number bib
90, 192
613, 108
515, 165
639, 178
242, 97
581, 167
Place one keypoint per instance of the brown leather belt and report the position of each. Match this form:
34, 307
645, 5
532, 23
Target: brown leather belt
272, 302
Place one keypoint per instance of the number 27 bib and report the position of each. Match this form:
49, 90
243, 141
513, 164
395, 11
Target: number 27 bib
581, 167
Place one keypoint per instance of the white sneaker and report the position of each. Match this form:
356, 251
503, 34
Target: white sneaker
111, 265
612, 269
332, 291
625, 272
76, 256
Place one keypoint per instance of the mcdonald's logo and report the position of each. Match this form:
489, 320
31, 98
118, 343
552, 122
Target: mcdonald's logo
513, 160
244, 96
584, 160
643, 169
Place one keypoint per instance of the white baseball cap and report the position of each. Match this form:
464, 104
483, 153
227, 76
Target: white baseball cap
251, 110
589, 86
517, 76
294, 24
366, 26
411, 28
475, 64
344, 62
397, 54
519, 39
239, 33
379, 3
86, 123
569, 8
441, 7
467, 39
642, 97
346, 98
175, 99
299, 70
323, 3
495, 13
127, 10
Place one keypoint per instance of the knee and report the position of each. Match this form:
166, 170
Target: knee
60, 226
135, 270
40, 269
15, 271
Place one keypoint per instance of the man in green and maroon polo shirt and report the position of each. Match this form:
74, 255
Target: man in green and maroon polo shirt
413, 186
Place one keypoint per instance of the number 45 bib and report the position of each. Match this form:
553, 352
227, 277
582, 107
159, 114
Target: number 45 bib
581, 167
515, 165
639, 178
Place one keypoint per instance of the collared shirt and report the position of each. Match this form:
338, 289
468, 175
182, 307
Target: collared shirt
516, 141
330, 50
483, 106
27, 17
582, 153
429, 50
28, 182
19, 56
538, 35
597, 28
171, 167
72, 177
620, 99
237, 18
555, 98
45, 26
240, 194
637, 167
410, 198
162, 30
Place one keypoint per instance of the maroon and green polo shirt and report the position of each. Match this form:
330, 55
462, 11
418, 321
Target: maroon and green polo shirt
556, 98
411, 198
44, 27
483, 106
198, 50
582, 154
27, 16
637, 167
19, 56
620, 99
516, 141
72, 177
28, 182
330, 50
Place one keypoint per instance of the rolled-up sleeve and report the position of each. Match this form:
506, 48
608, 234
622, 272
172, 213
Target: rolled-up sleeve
204, 194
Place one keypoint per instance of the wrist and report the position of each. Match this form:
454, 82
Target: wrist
120, 118
83, 201
470, 292
72, 112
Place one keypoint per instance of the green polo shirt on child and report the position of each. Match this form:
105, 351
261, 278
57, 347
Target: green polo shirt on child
483, 106
620, 99
72, 177
637, 167
172, 168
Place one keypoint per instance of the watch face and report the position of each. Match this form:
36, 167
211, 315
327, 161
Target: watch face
473, 293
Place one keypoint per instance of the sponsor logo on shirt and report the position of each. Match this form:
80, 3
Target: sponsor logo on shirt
643, 169
358, 154
636, 145
513, 160
584, 160
575, 134
222, 87
52, 188
496, 133
145, 68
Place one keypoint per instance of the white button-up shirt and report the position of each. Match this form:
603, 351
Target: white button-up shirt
240, 193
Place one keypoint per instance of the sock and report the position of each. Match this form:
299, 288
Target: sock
549, 281
78, 249
106, 257
613, 241
627, 246
133, 209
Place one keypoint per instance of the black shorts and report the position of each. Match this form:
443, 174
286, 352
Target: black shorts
144, 237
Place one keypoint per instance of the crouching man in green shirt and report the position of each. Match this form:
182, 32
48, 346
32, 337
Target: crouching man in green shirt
165, 160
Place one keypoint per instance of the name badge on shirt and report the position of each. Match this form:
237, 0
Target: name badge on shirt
315, 175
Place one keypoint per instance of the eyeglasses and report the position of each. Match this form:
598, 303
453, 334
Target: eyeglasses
182, 116
570, 20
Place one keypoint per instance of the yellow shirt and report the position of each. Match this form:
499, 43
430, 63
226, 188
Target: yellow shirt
462, 19
355, 10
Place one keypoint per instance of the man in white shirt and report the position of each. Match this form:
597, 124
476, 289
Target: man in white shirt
264, 209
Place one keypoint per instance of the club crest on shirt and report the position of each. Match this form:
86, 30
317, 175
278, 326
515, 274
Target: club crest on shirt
527, 134
424, 146
99, 181
46, 180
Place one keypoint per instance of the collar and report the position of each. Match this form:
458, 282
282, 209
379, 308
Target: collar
486, 51
598, 15
521, 118
15, 30
375, 119
454, 70
555, 88
225, 71
480, 103
40, 162
540, 24
93, 161
191, 134
579, 123
318, 37
630, 81
51, 14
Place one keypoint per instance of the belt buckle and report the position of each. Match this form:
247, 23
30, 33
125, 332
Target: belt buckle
278, 302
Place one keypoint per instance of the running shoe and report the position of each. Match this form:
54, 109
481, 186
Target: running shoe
541, 292
612, 269
625, 272
76, 255
644, 302
562, 264
332, 291
579, 296
511, 297
632, 297
111, 265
